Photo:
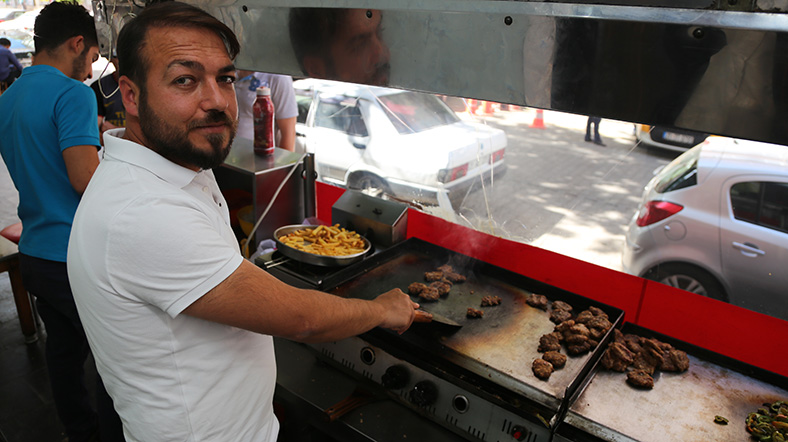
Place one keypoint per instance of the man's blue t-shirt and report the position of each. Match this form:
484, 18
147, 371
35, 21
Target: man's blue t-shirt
42, 114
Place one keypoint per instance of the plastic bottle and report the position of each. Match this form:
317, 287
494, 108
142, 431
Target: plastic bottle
263, 111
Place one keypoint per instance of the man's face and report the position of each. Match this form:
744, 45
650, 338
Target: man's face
82, 66
187, 109
358, 54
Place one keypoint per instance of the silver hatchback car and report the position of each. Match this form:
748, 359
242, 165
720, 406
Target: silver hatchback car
715, 222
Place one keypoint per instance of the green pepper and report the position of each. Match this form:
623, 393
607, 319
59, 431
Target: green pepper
782, 426
720, 420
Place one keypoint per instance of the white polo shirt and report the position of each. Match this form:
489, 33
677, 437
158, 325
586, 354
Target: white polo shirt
149, 238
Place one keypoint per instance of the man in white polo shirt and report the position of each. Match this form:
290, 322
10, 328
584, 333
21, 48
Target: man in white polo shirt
179, 323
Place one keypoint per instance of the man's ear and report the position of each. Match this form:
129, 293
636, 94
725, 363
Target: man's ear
130, 94
314, 66
76, 44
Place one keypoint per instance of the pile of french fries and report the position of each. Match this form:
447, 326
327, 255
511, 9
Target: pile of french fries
325, 241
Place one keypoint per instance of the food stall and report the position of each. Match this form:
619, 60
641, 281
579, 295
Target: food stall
715, 67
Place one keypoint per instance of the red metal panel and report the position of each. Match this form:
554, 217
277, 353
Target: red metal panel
742, 334
326, 196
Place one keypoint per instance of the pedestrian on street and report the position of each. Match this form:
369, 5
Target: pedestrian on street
180, 324
50, 146
595, 121
10, 68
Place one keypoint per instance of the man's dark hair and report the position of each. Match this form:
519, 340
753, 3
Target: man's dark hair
170, 14
59, 21
5, 42
311, 31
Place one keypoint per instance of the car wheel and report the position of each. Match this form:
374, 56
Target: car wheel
690, 278
371, 185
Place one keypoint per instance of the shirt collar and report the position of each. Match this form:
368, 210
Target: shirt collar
118, 148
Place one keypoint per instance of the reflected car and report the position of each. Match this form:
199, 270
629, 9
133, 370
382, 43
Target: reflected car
24, 22
677, 140
10, 14
715, 222
22, 45
403, 144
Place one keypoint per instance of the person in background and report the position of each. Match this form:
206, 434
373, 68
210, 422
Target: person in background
594, 121
111, 114
179, 323
283, 97
49, 143
340, 44
10, 68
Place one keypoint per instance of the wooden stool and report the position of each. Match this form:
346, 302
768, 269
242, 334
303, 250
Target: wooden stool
10, 264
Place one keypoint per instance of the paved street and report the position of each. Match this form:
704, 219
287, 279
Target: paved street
561, 193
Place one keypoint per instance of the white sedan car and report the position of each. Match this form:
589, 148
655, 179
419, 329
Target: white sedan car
383, 141
715, 222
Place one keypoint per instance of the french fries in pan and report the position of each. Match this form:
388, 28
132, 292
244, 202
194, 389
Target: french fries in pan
325, 240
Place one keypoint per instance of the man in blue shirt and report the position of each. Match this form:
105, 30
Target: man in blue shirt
50, 144
10, 69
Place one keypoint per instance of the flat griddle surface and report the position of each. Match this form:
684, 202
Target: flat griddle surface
681, 407
501, 346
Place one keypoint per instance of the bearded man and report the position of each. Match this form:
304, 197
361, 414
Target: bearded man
180, 324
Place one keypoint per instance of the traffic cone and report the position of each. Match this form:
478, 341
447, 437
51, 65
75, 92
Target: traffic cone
539, 120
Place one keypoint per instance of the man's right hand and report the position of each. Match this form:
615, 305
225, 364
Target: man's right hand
398, 309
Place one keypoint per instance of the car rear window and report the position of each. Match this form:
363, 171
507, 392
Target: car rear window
680, 173
761, 202
412, 112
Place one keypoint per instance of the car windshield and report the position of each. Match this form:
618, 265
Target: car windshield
680, 173
25, 38
412, 112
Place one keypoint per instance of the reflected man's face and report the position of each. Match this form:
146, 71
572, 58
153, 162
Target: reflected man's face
357, 52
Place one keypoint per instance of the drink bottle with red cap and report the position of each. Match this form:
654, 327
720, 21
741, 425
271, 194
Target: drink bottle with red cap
263, 111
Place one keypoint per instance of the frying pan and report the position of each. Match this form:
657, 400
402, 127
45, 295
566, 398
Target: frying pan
311, 258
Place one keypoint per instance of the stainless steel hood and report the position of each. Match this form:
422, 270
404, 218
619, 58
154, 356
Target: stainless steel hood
713, 66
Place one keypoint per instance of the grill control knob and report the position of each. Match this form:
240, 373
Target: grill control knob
520, 433
395, 377
424, 393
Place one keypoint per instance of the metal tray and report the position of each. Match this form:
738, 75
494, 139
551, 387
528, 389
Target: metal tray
681, 406
311, 258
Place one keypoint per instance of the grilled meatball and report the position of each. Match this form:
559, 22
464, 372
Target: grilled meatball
433, 276
599, 322
429, 294
473, 313
561, 305
454, 277
597, 312
633, 342
617, 357
578, 349
416, 288
640, 379
584, 316
542, 369
446, 268
489, 301
556, 359
537, 301
549, 342
559, 316
441, 287
674, 360
564, 326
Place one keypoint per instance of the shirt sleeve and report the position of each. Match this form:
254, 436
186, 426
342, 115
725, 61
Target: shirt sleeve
15, 61
283, 96
75, 116
167, 253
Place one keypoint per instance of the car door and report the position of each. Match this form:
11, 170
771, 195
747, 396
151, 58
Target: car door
338, 136
754, 241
